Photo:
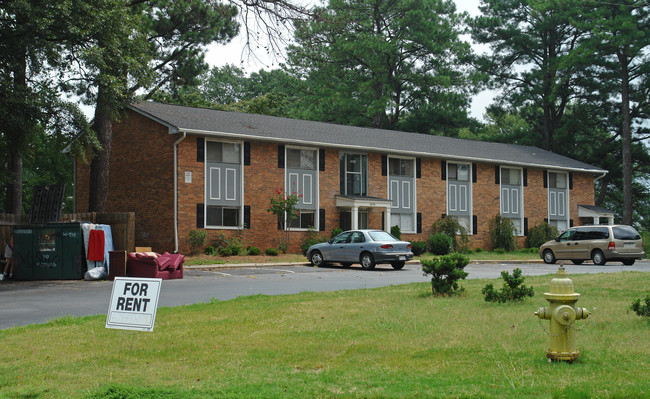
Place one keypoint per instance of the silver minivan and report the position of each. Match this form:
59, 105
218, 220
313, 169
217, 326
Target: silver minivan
600, 243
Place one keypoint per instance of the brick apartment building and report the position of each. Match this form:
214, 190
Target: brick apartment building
181, 168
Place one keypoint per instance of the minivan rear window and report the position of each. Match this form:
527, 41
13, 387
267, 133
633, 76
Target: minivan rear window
626, 233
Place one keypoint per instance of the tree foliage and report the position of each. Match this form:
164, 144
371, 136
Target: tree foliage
386, 64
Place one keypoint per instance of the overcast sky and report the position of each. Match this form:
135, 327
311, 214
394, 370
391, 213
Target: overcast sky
232, 53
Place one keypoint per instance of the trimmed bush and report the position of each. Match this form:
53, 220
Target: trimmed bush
396, 232
446, 270
539, 234
418, 247
271, 251
336, 232
440, 244
502, 232
253, 251
513, 289
451, 227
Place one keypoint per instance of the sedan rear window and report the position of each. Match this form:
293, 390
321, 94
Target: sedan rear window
626, 233
381, 236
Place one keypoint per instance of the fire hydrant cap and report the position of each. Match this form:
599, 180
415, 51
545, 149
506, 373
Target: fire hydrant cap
561, 287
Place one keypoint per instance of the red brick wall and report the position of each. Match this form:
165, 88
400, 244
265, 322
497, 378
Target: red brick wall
142, 175
141, 180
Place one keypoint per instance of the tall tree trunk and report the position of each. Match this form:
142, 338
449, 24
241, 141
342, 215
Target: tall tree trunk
626, 135
99, 166
17, 137
14, 199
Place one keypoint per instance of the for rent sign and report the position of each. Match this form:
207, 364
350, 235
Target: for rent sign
133, 303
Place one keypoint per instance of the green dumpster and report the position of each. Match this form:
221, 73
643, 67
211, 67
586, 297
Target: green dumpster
51, 251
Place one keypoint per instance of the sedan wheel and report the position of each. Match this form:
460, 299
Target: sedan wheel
367, 261
598, 257
548, 257
316, 258
398, 265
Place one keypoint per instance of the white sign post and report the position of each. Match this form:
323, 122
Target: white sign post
133, 303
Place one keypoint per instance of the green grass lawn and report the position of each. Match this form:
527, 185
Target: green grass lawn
392, 342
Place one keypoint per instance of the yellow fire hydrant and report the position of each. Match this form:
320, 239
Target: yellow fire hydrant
562, 313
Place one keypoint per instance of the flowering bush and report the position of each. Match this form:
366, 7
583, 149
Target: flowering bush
283, 206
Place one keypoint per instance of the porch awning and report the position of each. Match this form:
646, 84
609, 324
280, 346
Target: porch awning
356, 202
595, 212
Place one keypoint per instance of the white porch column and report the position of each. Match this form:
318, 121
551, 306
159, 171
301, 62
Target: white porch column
610, 219
387, 219
355, 217
596, 219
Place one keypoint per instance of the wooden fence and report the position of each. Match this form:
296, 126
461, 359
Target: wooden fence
122, 226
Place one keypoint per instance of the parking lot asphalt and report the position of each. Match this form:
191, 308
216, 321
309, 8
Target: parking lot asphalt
30, 302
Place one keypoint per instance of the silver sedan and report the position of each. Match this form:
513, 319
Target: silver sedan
367, 247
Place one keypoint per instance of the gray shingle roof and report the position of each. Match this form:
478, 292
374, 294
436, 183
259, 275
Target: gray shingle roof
211, 122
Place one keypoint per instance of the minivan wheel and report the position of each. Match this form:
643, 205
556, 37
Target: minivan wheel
577, 261
598, 257
548, 256
628, 262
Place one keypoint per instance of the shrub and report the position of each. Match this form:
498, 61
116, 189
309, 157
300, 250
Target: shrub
226, 246
418, 247
453, 229
513, 288
197, 240
253, 251
446, 271
440, 244
500, 251
271, 251
312, 238
502, 232
336, 232
641, 309
539, 234
396, 232
225, 251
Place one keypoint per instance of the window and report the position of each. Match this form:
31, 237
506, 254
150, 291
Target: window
304, 220
558, 195
223, 152
301, 159
223, 185
342, 238
625, 233
401, 192
222, 216
512, 197
401, 167
458, 172
354, 174
301, 178
459, 194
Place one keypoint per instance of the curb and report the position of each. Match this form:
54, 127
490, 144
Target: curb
286, 264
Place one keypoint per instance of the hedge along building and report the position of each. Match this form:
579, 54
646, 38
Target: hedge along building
181, 169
